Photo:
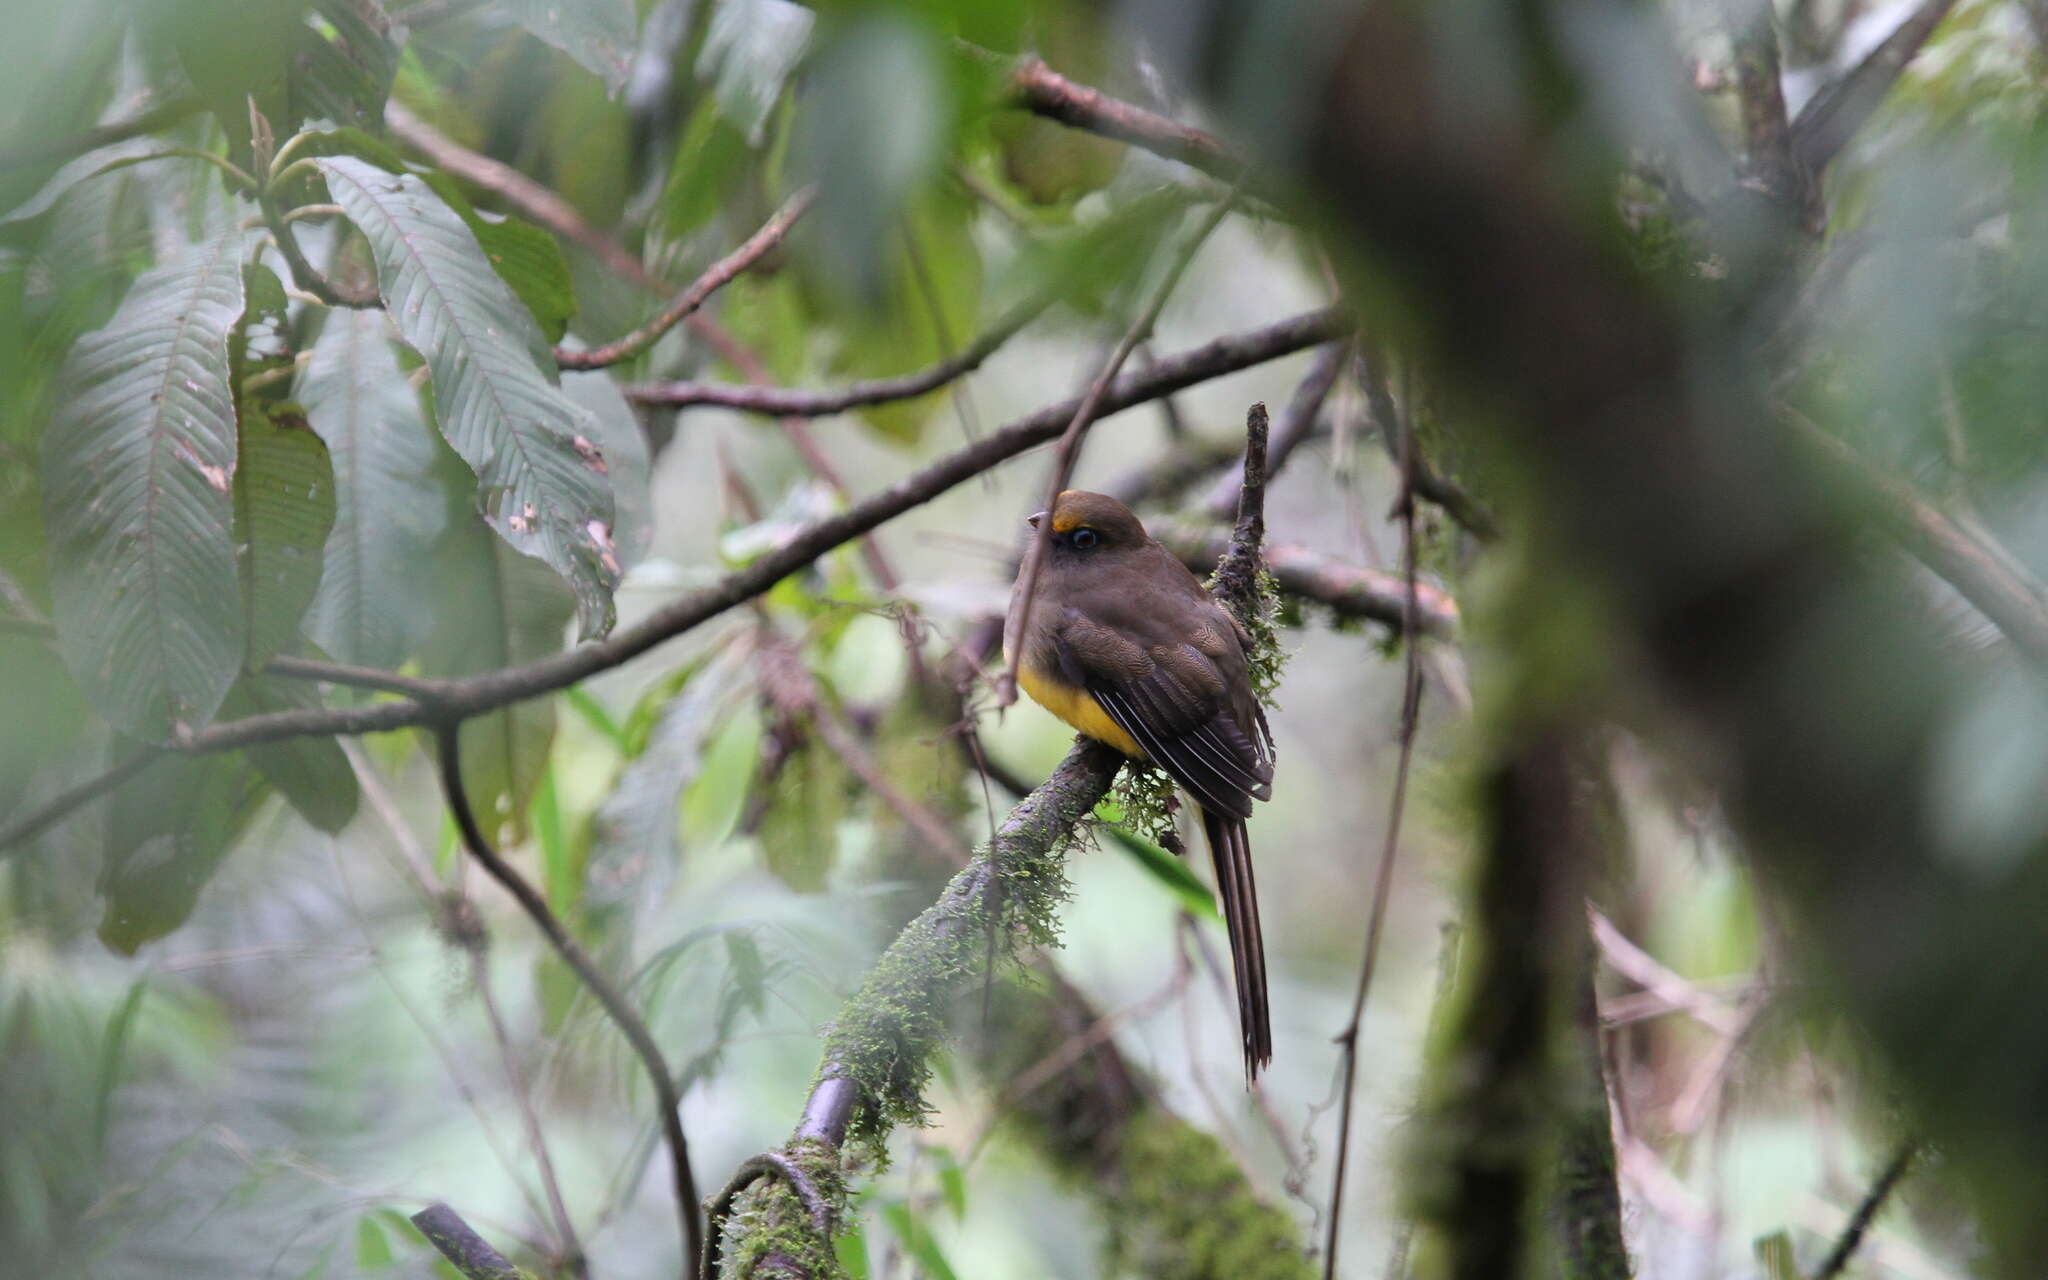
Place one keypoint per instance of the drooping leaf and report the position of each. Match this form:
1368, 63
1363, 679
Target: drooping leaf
622, 445
524, 256
238, 56
710, 159
599, 34
313, 774
539, 475
388, 507
344, 76
497, 608
138, 469
749, 51
284, 512
167, 830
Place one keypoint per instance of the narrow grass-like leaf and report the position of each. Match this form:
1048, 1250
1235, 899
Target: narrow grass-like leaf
388, 508
138, 469
284, 511
540, 470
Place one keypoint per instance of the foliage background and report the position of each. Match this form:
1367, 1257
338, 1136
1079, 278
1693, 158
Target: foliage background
269, 1085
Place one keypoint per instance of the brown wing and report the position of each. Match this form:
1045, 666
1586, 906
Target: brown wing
1167, 664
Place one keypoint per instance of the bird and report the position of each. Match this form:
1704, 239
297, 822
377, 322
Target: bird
1126, 645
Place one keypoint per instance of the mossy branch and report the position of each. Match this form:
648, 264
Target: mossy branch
879, 1053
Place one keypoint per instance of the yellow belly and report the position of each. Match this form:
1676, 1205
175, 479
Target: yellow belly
1077, 707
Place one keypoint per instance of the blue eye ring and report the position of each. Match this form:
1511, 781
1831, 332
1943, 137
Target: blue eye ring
1082, 539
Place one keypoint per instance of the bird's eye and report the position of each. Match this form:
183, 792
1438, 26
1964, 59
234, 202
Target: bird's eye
1084, 539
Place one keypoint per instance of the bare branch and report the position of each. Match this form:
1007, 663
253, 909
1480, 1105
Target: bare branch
1297, 423
458, 1242
786, 401
151, 119
715, 277
1348, 590
1873, 1200
1839, 111
1989, 579
621, 1010
478, 694
1042, 91
1771, 164
32, 824
1383, 878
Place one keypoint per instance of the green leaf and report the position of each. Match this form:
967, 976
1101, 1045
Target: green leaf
138, 468
749, 51
313, 774
389, 509
714, 802
373, 1247
561, 875
600, 34
524, 256
45, 712
622, 445
1161, 866
711, 157
594, 714
496, 609
540, 478
284, 512
917, 1240
851, 1248
347, 76
167, 830
1774, 1254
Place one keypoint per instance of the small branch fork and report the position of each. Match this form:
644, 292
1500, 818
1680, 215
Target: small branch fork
615, 1004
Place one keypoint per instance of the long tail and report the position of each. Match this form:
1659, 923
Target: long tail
1232, 849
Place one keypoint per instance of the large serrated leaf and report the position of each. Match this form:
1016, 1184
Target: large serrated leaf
524, 256
624, 446
539, 472
388, 507
167, 831
138, 465
600, 34
312, 773
284, 510
496, 609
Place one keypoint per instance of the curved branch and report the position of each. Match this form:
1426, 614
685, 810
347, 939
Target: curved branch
478, 694
475, 695
458, 1242
1348, 590
878, 1055
715, 277
796, 402
615, 1003
1042, 91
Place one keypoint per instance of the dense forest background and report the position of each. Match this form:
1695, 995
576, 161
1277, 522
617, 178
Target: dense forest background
507, 511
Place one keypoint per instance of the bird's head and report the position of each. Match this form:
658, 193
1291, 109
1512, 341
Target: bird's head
1091, 525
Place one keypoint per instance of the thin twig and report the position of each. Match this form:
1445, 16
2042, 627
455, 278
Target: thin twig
1041, 90
354, 677
151, 119
1069, 448
1839, 111
32, 824
458, 1242
573, 1257
797, 402
304, 274
487, 691
1297, 423
615, 1004
1867, 1209
714, 278
1383, 879
1348, 590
